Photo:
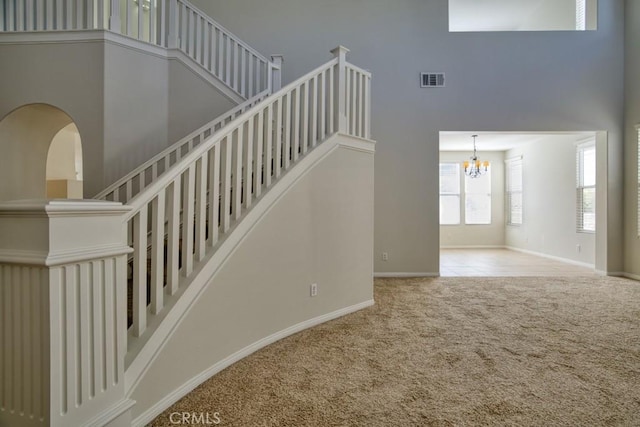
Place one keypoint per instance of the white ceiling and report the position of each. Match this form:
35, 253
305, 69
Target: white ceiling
491, 15
496, 141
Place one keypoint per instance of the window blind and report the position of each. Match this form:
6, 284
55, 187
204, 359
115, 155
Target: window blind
586, 188
514, 187
449, 193
581, 15
477, 199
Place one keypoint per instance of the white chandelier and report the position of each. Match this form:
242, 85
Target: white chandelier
475, 168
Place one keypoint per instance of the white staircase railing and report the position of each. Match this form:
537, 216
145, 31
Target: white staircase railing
211, 45
165, 23
181, 216
138, 179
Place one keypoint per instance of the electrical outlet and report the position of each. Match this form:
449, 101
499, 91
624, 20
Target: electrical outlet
578, 248
385, 256
314, 289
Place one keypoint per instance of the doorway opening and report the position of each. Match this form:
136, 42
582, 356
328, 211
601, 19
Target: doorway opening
41, 154
541, 214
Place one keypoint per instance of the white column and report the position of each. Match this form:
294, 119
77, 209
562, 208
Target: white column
63, 279
340, 52
276, 72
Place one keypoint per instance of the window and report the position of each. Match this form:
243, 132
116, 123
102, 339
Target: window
513, 196
522, 15
581, 15
449, 193
586, 188
478, 199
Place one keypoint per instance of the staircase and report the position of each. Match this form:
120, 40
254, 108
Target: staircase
155, 245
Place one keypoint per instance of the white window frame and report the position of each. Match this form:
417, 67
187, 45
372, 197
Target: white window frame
581, 187
513, 166
450, 194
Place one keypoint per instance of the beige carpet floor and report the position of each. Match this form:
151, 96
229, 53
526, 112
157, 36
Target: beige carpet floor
448, 352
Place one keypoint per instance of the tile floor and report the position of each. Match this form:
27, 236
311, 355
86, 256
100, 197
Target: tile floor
504, 262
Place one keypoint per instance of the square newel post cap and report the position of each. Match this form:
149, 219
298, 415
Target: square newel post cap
340, 51
277, 60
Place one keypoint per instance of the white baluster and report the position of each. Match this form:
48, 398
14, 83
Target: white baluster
277, 146
313, 113
295, 134
157, 252
258, 147
140, 272
248, 162
287, 130
367, 115
304, 100
227, 75
251, 77
242, 53
237, 173
322, 108
20, 16
206, 39
114, 16
225, 169
188, 200
220, 63
153, 11
28, 15
172, 29
268, 150
201, 206
79, 8
173, 235
214, 193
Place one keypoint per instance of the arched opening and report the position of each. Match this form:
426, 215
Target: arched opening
39, 143
64, 165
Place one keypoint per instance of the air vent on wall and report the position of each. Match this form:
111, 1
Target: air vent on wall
431, 79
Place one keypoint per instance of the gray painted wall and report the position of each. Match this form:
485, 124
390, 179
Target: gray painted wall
632, 118
478, 235
549, 197
128, 104
520, 81
68, 76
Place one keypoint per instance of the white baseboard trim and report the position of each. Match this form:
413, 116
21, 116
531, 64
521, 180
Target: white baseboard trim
400, 274
474, 247
553, 257
148, 416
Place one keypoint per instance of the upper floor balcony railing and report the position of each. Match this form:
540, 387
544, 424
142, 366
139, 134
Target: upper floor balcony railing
172, 24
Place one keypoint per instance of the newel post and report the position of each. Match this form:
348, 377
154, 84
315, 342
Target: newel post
114, 16
340, 52
276, 72
172, 32
63, 304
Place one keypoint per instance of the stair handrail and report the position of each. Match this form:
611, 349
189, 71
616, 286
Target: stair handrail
195, 203
113, 192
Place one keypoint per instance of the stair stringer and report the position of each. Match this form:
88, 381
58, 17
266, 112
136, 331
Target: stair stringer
334, 183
